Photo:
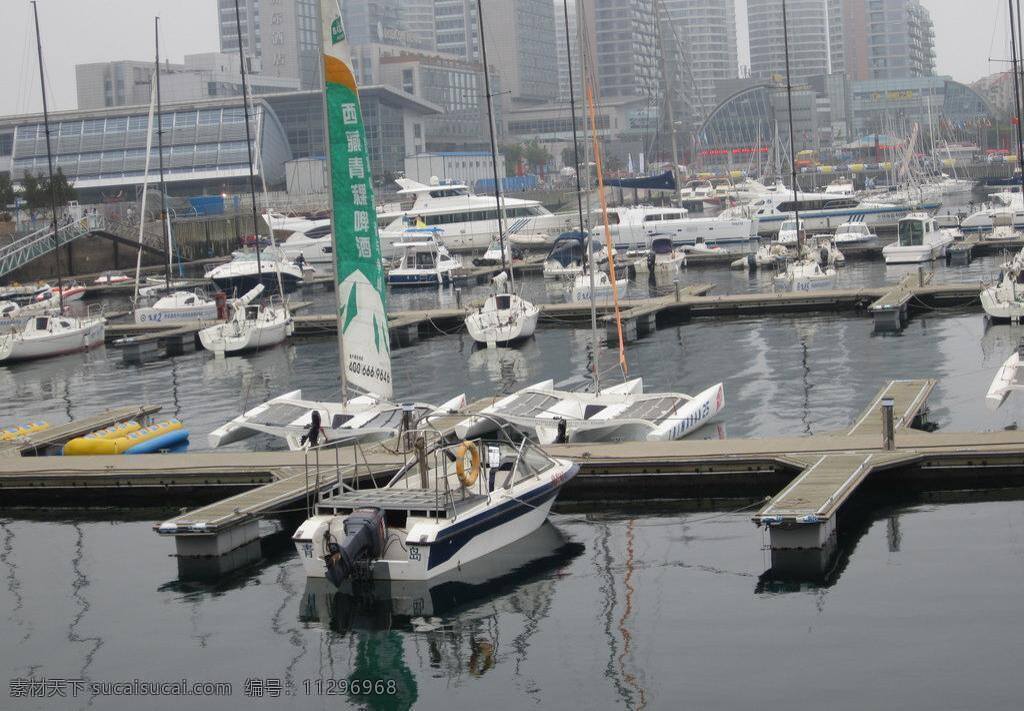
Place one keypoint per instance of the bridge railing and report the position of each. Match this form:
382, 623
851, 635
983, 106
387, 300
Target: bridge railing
25, 249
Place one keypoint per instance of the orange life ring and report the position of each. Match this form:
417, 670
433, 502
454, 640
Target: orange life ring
467, 478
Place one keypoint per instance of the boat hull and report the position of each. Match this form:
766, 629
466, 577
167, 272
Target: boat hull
242, 283
485, 330
149, 314
223, 339
14, 348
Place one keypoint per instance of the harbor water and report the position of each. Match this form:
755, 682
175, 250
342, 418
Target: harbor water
617, 606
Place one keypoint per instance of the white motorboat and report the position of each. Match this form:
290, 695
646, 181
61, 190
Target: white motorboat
603, 290
502, 319
829, 254
840, 186
769, 255
244, 272
622, 412
806, 274
46, 336
918, 239
667, 259
1004, 300
854, 233
825, 212
107, 278
423, 260
12, 316
252, 326
469, 221
1008, 378
178, 307
635, 227
493, 256
438, 513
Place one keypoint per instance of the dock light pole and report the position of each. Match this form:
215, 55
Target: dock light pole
888, 425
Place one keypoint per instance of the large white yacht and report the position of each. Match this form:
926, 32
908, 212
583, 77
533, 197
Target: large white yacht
635, 227
469, 221
308, 239
823, 211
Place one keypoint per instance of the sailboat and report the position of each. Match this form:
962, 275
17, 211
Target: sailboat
363, 339
547, 414
504, 316
1008, 378
50, 335
438, 512
252, 326
172, 304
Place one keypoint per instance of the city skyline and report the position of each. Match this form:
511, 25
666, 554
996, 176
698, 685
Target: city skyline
968, 43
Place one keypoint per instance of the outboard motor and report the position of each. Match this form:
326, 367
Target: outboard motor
823, 256
364, 540
751, 262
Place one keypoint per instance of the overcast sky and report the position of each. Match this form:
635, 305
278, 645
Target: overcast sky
79, 31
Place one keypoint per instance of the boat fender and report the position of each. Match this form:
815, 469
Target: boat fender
467, 478
823, 256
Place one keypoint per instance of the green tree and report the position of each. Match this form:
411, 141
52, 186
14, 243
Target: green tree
34, 192
514, 154
537, 156
6, 191
65, 191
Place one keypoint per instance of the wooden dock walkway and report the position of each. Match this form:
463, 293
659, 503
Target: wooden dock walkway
56, 436
890, 310
910, 398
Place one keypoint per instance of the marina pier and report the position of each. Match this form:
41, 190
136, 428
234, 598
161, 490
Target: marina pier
808, 479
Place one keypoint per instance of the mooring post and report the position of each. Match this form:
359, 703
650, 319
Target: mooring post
675, 283
920, 276
888, 429
458, 298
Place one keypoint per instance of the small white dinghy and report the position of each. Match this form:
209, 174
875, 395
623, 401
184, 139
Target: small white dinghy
503, 318
855, 233
805, 274
619, 413
449, 506
46, 336
251, 326
178, 307
667, 259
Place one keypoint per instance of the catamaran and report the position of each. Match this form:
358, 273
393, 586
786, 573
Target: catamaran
440, 511
547, 414
360, 290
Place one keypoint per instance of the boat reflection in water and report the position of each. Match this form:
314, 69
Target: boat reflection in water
457, 615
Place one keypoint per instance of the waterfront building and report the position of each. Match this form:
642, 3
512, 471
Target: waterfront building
808, 39
881, 39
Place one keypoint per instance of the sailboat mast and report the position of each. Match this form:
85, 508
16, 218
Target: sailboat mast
494, 143
248, 142
1016, 94
145, 190
792, 142
49, 161
572, 108
668, 102
164, 217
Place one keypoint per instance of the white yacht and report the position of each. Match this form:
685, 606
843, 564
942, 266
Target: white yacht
603, 291
243, 273
307, 242
823, 211
635, 227
568, 255
1004, 300
666, 259
918, 239
806, 274
469, 221
423, 260
789, 232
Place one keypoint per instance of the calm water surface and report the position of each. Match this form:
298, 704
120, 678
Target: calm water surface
605, 609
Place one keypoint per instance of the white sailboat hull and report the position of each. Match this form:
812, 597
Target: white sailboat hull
1004, 382
232, 337
20, 346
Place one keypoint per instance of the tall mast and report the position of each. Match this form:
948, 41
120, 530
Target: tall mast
572, 108
494, 143
248, 142
164, 217
49, 161
595, 345
792, 142
668, 102
1018, 95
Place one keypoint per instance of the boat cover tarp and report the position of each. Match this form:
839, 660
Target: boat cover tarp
665, 181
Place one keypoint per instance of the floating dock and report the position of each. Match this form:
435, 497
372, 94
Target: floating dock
53, 438
809, 479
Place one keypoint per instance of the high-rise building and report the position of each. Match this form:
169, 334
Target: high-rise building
280, 36
808, 39
520, 40
564, 53
418, 18
705, 32
624, 45
881, 39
